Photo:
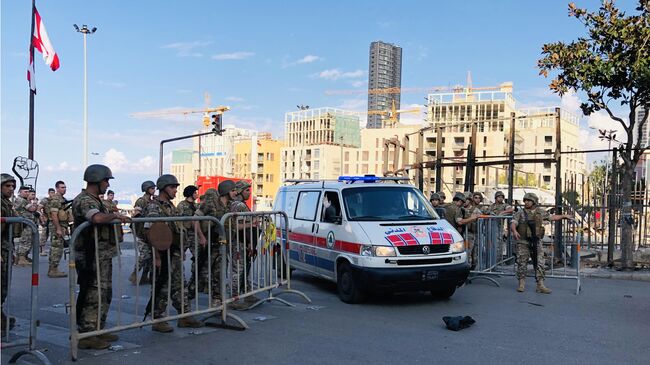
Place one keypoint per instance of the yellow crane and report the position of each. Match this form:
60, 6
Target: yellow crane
393, 113
206, 111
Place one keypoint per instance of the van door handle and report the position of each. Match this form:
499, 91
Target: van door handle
316, 224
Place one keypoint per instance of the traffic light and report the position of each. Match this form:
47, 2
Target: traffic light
216, 124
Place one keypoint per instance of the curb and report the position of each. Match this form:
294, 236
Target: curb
641, 276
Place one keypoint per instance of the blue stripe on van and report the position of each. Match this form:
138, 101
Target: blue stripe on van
313, 260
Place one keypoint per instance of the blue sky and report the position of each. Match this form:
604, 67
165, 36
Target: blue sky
262, 58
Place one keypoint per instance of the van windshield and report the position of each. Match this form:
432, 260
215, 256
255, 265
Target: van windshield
387, 204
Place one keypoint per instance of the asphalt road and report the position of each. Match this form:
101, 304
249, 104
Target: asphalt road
608, 322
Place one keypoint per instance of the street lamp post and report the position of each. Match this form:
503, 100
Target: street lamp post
85, 31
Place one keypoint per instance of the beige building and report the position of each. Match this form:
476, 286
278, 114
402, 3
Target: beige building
491, 111
258, 159
181, 167
315, 142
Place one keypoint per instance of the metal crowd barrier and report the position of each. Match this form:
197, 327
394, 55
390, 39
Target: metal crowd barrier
199, 307
496, 250
33, 305
257, 257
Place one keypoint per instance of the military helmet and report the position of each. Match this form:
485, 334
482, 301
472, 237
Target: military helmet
189, 191
532, 197
165, 181
147, 185
442, 195
434, 196
459, 196
97, 173
7, 178
468, 195
477, 193
242, 185
225, 187
498, 194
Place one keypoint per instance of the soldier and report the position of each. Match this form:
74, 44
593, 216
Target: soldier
162, 206
57, 208
454, 213
442, 198
435, 200
528, 230
475, 202
144, 248
248, 234
44, 229
8, 183
471, 213
187, 208
215, 206
25, 207
87, 207
111, 206
499, 207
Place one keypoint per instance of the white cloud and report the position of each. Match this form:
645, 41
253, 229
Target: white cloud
232, 56
234, 99
571, 103
173, 114
358, 83
335, 74
113, 84
355, 104
187, 49
385, 24
308, 59
62, 167
118, 162
601, 120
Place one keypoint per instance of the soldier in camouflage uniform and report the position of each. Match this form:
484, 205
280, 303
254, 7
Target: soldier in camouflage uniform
528, 230
25, 208
58, 210
215, 206
435, 200
8, 185
187, 208
247, 245
500, 208
88, 207
44, 229
162, 206
111, 206
144, 261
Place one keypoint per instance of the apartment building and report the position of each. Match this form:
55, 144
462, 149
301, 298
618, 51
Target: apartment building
258, 159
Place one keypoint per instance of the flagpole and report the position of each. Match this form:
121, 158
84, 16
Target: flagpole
30, 151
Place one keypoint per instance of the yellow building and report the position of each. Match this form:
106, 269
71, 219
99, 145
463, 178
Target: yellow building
258, 159
181, 167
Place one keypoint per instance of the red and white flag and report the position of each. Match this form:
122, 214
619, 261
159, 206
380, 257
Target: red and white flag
41, 42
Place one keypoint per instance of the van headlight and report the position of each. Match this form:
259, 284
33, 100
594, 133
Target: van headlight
365, 250
384, 251
458, 247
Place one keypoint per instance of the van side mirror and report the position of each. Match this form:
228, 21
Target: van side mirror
338, 219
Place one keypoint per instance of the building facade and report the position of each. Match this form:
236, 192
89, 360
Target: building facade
384, 71
181, 167
258, 159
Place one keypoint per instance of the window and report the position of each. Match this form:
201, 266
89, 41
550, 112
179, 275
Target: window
365, 156
547, 165
548, 139
316, 153
316, 165
307, 204
331, 210
386, 204
547, 179
547, 151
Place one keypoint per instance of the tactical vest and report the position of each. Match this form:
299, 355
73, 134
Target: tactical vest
531, 226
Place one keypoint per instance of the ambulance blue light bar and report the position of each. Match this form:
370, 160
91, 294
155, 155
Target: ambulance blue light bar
366, 178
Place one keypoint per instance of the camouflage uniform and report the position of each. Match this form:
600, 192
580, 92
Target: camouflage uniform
498, 209
163, 288
188, 209
43, 229
470, 236
144, 248
22, 207
242, 242
111, 207
536, 215
84, 206
57, 205
7, 247
212, 206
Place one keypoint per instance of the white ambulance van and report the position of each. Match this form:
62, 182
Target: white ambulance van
371, 234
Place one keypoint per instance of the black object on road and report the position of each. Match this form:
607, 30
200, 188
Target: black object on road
458, 323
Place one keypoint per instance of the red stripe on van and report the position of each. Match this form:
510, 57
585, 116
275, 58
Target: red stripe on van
339, 245
408, 238
395, 240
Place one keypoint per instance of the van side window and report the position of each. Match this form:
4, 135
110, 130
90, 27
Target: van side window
307, 205
331, 212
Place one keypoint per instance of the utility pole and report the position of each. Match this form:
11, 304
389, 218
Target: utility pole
511, 160
558, 184
438, 158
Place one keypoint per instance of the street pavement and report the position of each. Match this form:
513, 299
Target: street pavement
607, 323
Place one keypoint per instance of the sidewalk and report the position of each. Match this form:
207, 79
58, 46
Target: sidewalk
606, 273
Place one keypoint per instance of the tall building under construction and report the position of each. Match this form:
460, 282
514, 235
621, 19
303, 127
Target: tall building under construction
385, 71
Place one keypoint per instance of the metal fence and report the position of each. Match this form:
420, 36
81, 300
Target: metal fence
496, 251
30, 342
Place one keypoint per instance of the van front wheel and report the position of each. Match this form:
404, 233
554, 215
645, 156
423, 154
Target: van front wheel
347, 285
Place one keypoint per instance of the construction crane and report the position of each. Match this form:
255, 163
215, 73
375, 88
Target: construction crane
393, 113
206, 111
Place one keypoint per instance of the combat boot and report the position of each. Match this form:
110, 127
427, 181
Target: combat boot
162, 327
522, 285
541, 288
94, 343
133, 278
146, 277
189, 322
22, 261
250, 300
54, 272
238, 306
109, 337
216, 303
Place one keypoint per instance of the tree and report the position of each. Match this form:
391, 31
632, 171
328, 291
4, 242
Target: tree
611, 64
